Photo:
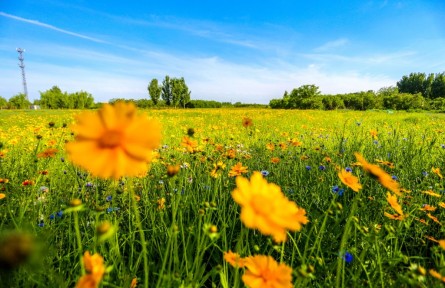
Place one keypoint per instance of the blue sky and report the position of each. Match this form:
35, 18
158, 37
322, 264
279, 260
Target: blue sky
247, 51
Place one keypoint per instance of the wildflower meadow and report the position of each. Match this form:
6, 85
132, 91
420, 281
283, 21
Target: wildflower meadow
121, 197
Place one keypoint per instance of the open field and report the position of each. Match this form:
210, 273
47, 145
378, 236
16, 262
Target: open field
387, 234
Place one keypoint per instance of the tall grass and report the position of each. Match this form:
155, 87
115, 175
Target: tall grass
347, 243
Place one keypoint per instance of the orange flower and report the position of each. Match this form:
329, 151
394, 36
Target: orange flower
380, 174
2, 195
231, 153
433, 218
234, 259
263, 271
392, 200
27, 183
172, 170
349, 180
442, 244
436, 275
114, 142
275, 160
373, 133
427, 207
237, 170
266, 208
134, 283
189, 144
48, 153
394, 216
94, 266
270, 146
247, 122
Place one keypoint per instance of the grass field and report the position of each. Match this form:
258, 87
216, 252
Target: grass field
173, 226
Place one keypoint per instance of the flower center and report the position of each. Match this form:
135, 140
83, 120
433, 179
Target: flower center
110, 139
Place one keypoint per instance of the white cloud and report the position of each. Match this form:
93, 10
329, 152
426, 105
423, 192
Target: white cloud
332, 44
48, 26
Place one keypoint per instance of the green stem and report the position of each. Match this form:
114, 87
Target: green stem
79, 241
141, 232
344, 241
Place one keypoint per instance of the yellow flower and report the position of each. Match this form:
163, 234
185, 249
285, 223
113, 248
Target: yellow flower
266, 208
263, 271
349, 180
134, 283
114, 142
234, 259
432, 193
2, 195
238, 170
161, 203
442, 244
437, 172
392, 200
378, 173
436, 275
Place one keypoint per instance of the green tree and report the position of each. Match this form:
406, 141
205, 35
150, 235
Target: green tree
52, 98
167, 91
416, 83
154, 90
438, 86
18, 101
180, 92
3, 103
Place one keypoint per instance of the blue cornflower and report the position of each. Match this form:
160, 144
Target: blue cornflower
375, 142
424, 173
348, 169
52, 216
308, 168
41, 223
322, 167
265, 173
442, 145
89, 184
109, 198
111, 209
337, 190
348, 257
394, 177
59, 214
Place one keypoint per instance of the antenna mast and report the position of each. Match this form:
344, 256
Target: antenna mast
22, 66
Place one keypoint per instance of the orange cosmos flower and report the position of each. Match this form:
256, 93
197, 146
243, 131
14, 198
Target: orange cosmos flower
48, 153
392, 200
263, 271
378, 173
266, 208
433, 218
189, 144
238, 170
234, 259
114, 142
2, 195
172, 170
349, 180
275, 160
94, 266
436, 275
270, 146
394, 216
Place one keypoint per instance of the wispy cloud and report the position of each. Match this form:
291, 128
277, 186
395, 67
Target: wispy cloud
48, 26
332, 44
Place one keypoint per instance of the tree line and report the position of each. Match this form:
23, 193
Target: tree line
173, 91
413, 91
